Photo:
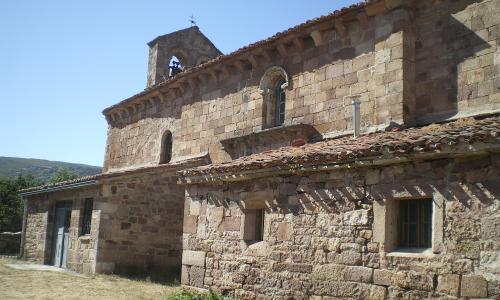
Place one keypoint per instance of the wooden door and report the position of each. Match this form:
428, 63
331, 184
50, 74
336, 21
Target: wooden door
61, 233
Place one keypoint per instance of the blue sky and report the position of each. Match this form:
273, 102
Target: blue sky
62, 62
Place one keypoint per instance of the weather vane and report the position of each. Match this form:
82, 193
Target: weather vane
192, 20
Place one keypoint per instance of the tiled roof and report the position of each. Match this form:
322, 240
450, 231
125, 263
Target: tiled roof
175, 165
431, 138
218, 59
52, 186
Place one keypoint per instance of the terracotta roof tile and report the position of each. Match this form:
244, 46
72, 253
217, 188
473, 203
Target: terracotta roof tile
430, 138
51, 186
180, 163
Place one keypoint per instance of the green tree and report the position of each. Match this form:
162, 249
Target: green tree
11, 206
63, 174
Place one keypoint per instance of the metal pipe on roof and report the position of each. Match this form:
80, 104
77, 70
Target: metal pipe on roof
356, 116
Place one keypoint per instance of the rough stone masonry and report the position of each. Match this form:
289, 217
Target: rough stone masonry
242, 170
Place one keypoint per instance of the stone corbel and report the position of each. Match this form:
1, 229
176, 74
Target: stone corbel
201, 78
340, 28
363, 20
185, 86
173, 92
225, 71
318, 37
253, 61
130, 110
239, 66
192, 83
265, 53
298, 43
138, 106
282, 50
123, 113
213, 74
109, 118
161, 96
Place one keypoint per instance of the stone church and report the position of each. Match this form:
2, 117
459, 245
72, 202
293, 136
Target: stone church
354, 156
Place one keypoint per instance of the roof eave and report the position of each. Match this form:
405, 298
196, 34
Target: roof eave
220, 176
59, 188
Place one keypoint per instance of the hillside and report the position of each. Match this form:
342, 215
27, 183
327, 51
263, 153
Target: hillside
40, 168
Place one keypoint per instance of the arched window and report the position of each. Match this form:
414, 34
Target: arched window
166, 148
272, 87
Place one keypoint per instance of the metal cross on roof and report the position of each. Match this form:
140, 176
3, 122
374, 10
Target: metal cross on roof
192, 20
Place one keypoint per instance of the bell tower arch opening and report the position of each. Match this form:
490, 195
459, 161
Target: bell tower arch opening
175, 52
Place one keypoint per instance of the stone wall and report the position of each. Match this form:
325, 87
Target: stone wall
367, 64
325, 236
424, 63
81, 253
457, 59
37, 246
10, 243
141, 223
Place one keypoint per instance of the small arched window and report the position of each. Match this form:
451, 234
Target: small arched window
272, 87
166, 148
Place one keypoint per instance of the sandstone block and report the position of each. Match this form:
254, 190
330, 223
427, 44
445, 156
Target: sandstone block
328, 272
195, 207
230, 224
196, 276
448, 284
345, 258
185, 275
413, 280
193, 258
359, 274
382, 277
356, 217
490, 228
489, 261
190, 224
473, 286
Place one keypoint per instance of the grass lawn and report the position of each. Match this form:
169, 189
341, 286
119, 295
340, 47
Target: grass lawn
23, 284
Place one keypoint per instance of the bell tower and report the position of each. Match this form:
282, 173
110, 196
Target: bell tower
172, 53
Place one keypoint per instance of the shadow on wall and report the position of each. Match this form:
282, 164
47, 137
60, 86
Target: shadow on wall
439, 85
167, 275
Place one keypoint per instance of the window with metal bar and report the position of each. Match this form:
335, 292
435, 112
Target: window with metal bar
253, 228
415, 223
259, 224
87, 216
280, 105
166, 152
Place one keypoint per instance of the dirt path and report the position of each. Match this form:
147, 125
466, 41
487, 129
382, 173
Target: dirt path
22, 284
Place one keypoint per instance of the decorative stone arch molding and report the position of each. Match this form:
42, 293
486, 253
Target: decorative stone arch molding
273, 79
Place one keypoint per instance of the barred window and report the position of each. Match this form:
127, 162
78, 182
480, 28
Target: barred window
415, 219
166, 151
86, 216
280, 105
253, 229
